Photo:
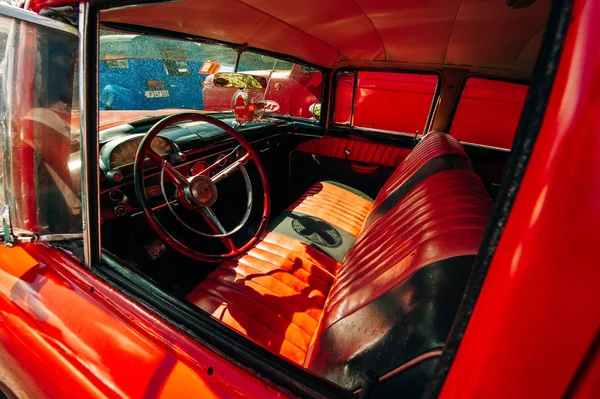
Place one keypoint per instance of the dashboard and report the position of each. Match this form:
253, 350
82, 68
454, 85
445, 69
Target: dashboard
190, 148
124, 153
118, 155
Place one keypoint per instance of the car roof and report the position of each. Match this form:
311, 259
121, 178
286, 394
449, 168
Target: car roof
484, 35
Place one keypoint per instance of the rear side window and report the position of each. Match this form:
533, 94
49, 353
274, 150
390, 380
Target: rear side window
389, 101
488, 112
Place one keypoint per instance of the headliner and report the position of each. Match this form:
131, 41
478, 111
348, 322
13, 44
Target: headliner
482, 35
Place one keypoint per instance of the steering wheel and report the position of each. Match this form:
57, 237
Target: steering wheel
199, 192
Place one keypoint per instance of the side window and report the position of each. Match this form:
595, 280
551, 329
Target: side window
390, 101
488, 112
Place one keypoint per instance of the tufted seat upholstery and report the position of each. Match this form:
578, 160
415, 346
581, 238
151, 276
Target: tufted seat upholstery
274, 294
343, 285
335, 204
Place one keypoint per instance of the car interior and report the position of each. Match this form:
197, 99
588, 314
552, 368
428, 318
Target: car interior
340, 241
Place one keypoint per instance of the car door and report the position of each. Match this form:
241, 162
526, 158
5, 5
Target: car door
376, 119
64, 333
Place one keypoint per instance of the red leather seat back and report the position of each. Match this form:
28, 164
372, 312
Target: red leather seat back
397, 292
434, 146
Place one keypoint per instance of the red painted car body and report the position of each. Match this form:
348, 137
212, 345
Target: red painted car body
545, 268
65, 333
91, 341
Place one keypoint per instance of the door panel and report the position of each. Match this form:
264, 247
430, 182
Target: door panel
356, 150
357, 162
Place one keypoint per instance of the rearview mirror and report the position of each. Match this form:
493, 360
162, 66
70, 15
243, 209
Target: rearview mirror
239, 80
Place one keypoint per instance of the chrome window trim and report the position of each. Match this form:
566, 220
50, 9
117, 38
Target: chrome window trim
25, 236
483, 146
12, 236
30, 16
88, 112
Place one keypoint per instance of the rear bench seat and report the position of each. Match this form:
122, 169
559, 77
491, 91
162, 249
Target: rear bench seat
344, 285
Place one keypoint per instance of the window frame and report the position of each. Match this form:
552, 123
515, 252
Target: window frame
175, 312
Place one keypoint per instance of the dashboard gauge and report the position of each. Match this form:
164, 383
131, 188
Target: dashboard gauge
197, 168
124, 153
222, 160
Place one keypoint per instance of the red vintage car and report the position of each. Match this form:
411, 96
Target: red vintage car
429, 235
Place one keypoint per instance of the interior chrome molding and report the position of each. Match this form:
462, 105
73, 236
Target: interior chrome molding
90, 146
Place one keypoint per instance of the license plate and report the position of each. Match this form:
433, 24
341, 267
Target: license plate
156, 93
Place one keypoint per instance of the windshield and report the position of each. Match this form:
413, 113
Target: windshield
152, 73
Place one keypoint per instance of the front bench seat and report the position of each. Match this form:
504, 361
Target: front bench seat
387, 305
329, 217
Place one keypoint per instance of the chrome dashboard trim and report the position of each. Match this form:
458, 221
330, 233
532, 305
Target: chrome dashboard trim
189, 160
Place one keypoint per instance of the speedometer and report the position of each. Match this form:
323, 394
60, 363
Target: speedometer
124, 153
161, 146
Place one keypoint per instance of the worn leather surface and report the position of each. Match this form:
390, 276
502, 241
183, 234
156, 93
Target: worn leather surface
433, 166
431, 146
400, 285
317, 233
336, 205
394, 296
360, 150
274, 294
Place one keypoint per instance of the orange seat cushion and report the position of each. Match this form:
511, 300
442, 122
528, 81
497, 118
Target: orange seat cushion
274, 294
334, 205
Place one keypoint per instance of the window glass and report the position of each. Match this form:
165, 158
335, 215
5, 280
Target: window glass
39, 151
258, 62
292, 89
488, 112
390, 101
148, 73
145, 72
